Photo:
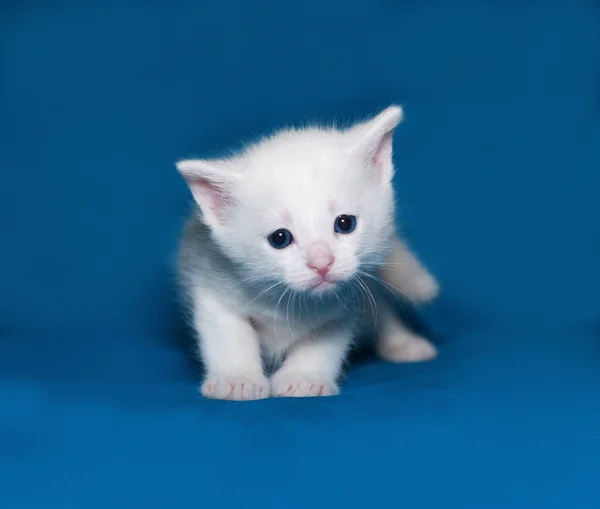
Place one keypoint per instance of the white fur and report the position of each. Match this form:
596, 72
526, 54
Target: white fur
256, 308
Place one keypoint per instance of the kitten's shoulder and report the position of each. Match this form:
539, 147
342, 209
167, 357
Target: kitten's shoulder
203, 267
196, 249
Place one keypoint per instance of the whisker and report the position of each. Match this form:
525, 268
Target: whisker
361, 293
287, 310
276, 310
389, 287
264, 292
370, 296
383, 282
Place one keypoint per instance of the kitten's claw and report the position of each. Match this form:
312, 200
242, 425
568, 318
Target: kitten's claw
302, 386
235, 387
406, 347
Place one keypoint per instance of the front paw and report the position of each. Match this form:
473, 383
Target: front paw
302, 385
235, 387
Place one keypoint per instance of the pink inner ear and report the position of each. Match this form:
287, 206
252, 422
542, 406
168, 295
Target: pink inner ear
210, 196
383, 155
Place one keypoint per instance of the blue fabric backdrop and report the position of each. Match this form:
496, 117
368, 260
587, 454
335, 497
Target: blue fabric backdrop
498, 174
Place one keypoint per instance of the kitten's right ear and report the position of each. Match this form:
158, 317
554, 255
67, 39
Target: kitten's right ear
211, 183
373, 140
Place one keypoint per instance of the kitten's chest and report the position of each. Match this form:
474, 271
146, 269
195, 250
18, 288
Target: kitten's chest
278, 334
297, 313
281, 325
292, 320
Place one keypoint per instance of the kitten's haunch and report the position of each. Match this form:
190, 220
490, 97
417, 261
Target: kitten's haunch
405, 273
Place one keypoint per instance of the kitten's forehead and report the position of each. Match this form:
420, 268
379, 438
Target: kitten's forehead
300, 180
313, 159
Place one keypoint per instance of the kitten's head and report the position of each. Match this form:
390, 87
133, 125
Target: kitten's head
307, 208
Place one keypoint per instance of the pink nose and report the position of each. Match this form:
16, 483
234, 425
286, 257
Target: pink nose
319, 258
322, 271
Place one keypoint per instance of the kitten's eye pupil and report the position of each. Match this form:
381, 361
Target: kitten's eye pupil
345, 224
280, 238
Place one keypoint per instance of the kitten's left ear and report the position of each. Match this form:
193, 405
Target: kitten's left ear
373, 140
212, 184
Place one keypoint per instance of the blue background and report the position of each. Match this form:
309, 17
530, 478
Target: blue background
498, 175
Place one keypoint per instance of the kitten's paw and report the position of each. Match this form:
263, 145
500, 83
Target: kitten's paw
406, 348
301, 385
235, 387
424, 289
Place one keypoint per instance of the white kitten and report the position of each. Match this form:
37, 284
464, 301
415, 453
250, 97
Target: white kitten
280, 262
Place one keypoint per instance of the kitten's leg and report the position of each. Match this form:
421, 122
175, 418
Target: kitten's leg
396, 343
230, 351
313, 366
406, 273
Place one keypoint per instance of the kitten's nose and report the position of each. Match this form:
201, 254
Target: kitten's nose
319, 258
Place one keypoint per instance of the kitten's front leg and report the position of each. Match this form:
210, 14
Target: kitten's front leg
230, 351
313, 365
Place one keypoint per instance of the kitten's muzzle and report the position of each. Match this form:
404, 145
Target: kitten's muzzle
319, 258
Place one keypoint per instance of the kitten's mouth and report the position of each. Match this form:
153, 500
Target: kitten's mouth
323, 285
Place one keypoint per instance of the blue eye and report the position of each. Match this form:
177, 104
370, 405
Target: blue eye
345, 224
280, 239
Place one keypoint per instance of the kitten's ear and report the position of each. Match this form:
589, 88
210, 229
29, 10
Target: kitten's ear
211, 183
373, 140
